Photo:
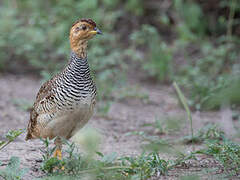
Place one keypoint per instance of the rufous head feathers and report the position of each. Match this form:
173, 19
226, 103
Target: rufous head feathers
84, 29
81, 31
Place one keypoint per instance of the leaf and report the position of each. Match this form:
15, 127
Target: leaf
2, 142
110, 158
14, 163
99, 154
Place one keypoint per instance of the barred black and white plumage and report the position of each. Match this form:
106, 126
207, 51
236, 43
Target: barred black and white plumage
74, 85
65, 103
70, 90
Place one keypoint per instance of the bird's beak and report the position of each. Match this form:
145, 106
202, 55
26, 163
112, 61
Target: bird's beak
96, 31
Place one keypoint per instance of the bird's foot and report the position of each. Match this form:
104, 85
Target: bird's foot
58, 154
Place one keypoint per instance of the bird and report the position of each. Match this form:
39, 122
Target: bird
65, 103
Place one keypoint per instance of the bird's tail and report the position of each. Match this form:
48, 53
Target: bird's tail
28, 136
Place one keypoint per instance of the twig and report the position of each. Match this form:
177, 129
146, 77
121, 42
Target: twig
3, 146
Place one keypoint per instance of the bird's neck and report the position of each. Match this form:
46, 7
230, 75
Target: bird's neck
78, 66
77, 63
79, 48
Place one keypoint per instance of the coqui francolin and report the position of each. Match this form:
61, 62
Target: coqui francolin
65, 103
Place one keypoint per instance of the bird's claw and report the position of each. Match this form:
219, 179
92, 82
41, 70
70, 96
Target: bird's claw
58, 154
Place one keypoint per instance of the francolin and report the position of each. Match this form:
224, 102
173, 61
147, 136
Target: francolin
65, 103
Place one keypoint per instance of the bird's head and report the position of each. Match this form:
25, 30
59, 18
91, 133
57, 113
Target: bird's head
83, 29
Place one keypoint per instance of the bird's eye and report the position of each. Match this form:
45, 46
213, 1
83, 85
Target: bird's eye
84, 28
77, 28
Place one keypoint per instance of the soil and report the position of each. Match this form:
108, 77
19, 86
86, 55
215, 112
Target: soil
123, 117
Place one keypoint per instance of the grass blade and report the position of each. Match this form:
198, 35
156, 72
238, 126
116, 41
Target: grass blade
185, 105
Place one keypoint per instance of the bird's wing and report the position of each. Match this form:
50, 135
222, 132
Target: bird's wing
44, 104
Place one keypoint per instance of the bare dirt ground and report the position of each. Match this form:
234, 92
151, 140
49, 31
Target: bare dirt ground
123, 117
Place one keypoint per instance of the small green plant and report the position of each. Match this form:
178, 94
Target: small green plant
49, 162
207, 133
145, 166
227, 153
158, 125
13, 171
10, 137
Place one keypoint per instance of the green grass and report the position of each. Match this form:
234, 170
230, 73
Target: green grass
77, 165
95, 165
216, 144
227, 153
206, 133
12, 171
141, 166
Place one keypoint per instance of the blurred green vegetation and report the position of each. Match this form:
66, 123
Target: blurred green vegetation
191, 41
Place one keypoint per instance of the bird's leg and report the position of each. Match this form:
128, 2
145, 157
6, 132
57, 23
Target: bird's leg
58, 152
